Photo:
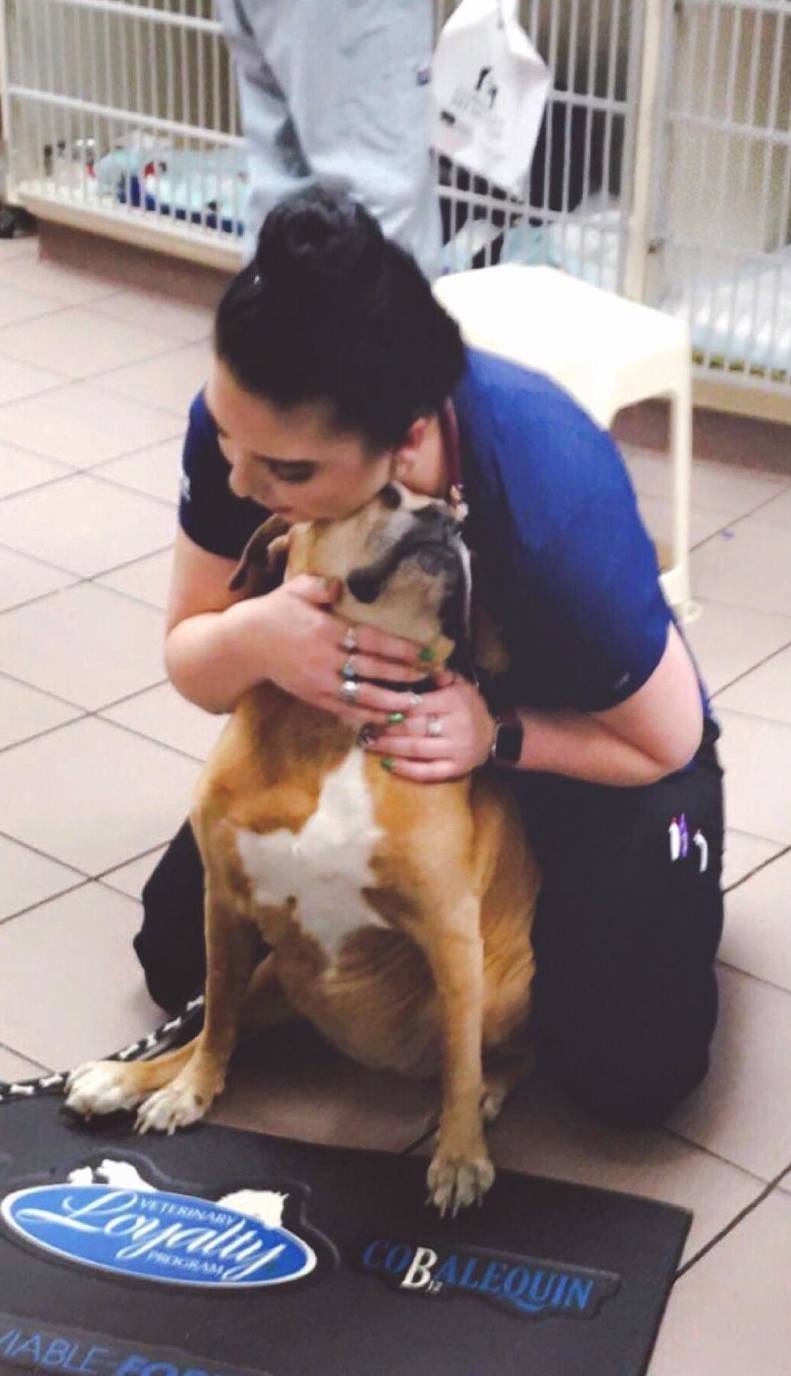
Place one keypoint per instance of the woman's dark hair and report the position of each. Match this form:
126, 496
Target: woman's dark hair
332, 311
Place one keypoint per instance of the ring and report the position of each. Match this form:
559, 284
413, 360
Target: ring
413, 701
349, 689
433, 725
350, 641
347, 669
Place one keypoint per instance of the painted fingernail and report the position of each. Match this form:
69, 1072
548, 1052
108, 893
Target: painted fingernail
426, 654
387, 762
395, 718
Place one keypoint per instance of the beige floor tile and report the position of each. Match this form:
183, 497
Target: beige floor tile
23, 578
27, 878
292, 1084
743, 854
21, 246
80, 342
728, 1315
20, 470
147, 579
751, 569
164, 716
91, 794
540, 1132
17, 304
85, 525
170, 382
721, 487
94, 1001
758, 926
21, 379
25, 712
13, 1067
82, 425
775, 513
129, 879
756, 756
728, 641
155, 471
64, 285
742, 1111
766, 691
87, 645
657, 514
177, 320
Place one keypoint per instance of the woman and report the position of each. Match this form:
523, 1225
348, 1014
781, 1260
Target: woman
335, 370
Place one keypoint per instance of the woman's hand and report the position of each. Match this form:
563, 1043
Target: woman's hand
296, 642
446, 737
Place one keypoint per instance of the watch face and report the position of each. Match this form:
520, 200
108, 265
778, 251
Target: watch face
508, 746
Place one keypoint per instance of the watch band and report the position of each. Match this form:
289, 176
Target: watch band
509, 735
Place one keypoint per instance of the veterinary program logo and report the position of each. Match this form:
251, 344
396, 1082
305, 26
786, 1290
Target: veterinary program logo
109, 1218
523, 1286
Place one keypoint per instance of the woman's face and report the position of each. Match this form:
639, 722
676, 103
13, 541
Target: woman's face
291, 462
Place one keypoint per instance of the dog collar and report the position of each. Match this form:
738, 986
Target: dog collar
423, 685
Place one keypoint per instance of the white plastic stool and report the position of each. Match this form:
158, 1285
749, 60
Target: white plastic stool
607, 351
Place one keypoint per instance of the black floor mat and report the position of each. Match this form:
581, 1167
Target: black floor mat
335, 1267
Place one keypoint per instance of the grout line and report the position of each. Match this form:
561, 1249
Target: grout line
781, 649
734, 1223
754, 716
47, 692
35, 559
45, 855
762, 866
30, 1059
737, 520
103, 875
31, 907
418, 1142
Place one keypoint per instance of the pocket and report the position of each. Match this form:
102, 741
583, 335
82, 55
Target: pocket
385, 48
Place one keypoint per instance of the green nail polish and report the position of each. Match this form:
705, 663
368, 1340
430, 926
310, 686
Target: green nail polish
426, 654
395, 718
387, 763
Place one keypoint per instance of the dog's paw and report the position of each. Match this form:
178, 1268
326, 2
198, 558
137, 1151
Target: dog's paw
175, 1106
457, 1181
100, 1087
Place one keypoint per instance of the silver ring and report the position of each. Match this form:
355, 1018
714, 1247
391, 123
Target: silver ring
347, 668
350, 641
349, 689
433, 725
413, 701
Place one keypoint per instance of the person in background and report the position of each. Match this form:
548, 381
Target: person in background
337, 93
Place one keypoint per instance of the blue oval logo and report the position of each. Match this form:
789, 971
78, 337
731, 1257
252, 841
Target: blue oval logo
156, 1235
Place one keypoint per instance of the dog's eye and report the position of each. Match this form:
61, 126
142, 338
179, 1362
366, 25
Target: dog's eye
390, 497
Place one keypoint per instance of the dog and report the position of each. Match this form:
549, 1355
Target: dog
398, 913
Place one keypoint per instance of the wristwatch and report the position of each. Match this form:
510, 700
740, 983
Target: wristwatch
509, 735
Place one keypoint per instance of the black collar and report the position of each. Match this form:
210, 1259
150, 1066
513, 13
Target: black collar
423, 685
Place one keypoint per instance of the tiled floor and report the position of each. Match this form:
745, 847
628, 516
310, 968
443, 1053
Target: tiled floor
98, 756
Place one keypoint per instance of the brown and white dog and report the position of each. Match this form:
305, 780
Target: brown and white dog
399, 914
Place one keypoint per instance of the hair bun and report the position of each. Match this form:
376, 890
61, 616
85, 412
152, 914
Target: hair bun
317, 243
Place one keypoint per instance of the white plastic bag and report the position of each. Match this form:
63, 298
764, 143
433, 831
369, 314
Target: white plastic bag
490, 87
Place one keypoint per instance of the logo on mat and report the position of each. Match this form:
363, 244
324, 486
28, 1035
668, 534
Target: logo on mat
521, 1285
108, 1217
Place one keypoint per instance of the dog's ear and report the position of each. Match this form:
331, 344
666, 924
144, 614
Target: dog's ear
264, 558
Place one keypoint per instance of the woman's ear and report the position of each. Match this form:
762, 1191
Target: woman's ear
407, 453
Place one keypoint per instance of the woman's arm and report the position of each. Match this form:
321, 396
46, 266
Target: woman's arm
653, 733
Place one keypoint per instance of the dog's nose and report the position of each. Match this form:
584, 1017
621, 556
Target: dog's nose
363, 585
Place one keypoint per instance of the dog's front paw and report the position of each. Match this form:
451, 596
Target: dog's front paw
456, 1180
175, 1106
100, 1087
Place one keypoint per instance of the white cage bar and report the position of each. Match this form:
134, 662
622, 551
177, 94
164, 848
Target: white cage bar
663, 169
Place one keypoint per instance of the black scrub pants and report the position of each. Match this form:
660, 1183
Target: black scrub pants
627, 926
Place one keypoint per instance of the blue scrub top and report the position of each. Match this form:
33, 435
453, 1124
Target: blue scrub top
564, 562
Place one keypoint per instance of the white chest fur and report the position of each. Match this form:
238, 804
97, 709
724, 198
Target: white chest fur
326, 866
